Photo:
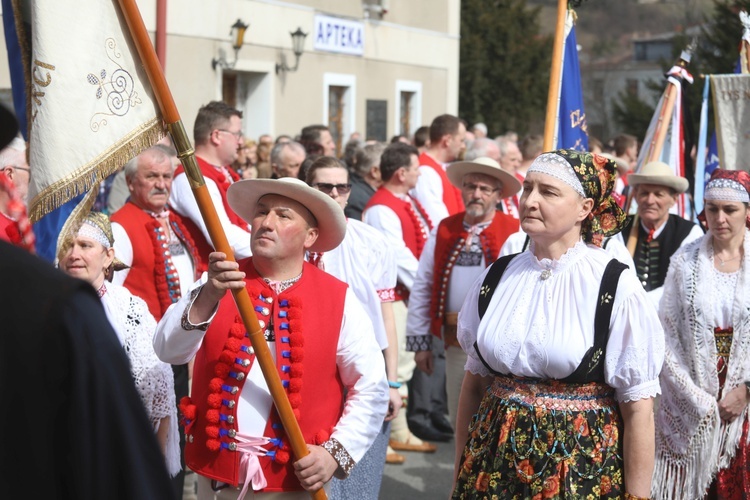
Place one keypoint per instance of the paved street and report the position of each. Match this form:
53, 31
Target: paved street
427, 476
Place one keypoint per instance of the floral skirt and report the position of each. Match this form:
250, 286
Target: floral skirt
540, 440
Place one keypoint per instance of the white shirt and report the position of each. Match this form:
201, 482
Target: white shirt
614, 247
429, 193
420, 298
543, 328
183, 202
367, 264
655, 295
387, 222
124, 251
358, 358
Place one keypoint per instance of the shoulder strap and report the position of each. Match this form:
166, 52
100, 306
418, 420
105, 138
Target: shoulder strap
591, 368
491, 281
526, 242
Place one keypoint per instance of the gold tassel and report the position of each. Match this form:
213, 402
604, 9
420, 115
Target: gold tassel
98, 169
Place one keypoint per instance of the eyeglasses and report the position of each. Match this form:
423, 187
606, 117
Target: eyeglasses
486, 190
237, 135
25, 169
328, 188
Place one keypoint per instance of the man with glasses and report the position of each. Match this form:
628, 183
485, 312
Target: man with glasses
458, 251
14, 167
217, 134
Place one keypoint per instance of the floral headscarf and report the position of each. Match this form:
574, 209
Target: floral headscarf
597, 176
721, 184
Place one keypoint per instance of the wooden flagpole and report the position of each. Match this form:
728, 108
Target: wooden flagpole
186, 154
553, 96
655, 147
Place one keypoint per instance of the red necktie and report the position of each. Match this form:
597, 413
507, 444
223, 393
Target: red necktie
650, 236
316, 259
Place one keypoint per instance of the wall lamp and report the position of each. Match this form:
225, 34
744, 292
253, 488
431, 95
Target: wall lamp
238, 35
298, 46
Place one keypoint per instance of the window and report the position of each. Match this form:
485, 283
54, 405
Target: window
408, 115
339, 107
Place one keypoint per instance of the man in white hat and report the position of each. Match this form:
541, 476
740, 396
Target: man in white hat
457, 252
321, 337
653, 235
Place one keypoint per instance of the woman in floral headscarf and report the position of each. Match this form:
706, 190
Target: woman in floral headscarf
702, 423
564, 352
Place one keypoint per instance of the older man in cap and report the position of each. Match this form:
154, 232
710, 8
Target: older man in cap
456, 253
321, 337
653, 235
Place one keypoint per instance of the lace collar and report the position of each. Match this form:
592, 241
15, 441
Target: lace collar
549, 267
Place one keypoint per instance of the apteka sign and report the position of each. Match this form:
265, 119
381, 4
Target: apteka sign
333, 34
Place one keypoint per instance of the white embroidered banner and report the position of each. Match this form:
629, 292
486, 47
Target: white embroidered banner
731, 98
91, 107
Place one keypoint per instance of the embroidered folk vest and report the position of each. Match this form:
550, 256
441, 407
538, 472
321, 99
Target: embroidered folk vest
306, 324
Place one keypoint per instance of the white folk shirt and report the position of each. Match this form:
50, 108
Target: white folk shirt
183, 262
429, 193
463, 276
387, 222
542, 328
366, 263
358, 358
183, 202
695, 234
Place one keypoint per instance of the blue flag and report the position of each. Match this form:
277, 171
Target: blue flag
572, 131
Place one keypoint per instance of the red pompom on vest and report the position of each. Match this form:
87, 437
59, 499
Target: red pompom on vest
307, 320
451, 237
152, 276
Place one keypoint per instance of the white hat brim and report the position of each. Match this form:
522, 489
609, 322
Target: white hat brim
679, 184
457, 171
243, 196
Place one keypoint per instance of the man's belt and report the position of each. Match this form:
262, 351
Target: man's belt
450, 329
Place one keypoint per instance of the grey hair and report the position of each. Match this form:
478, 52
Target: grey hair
478, 148
9, 154
279, 147
131, 167
368, 157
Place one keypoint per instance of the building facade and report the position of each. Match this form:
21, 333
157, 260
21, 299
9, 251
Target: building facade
377, 67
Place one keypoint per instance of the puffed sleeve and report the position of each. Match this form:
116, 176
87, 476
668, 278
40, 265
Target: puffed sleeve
635, 350
468, 324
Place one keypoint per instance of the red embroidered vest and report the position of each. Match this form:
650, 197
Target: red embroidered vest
452, 198
152, 274
222, 183
451, 236
307, 324
414, 232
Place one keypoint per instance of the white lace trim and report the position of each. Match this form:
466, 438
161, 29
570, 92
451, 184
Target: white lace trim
153, 378
558, 167
692, 443
570, 256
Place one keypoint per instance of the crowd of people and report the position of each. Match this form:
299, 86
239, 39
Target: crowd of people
547, 311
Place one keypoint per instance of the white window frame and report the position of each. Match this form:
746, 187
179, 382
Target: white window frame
341, 80
408, 86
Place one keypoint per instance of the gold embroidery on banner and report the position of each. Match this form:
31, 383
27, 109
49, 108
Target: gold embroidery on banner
117, 88
40, 79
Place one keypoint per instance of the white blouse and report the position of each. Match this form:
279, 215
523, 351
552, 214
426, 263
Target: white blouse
366, 263
725, 285
542, 328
